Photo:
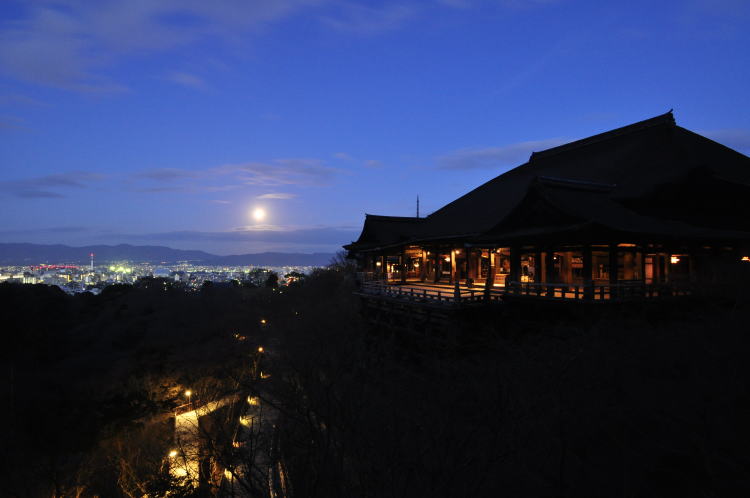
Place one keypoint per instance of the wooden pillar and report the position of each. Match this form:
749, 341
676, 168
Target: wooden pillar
515, 264
549, 271
423, 266
471, 272
490, 280
402, 264
549, 266
538, 265
613, 265
588, 284
384, 267
437, 264
454, 276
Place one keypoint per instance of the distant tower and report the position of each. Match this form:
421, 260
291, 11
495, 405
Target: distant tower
417, 206
92, 261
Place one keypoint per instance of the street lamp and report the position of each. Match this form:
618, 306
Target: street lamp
188, 393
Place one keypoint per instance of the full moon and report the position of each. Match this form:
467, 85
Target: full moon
259, 214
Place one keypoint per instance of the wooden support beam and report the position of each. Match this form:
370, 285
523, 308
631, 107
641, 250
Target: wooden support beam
454, 276
402, 264
515, 264
588, 281
549, 271
423, 266
613, 265
538, 265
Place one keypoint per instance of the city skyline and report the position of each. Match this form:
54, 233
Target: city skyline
171, 123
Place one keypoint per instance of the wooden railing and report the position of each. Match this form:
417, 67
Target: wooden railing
429, 294
622, 291
442, 295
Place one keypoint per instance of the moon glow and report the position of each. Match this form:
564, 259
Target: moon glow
259, 214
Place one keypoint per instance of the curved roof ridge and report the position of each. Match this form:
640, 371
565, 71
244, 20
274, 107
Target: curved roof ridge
382, 217
666, 118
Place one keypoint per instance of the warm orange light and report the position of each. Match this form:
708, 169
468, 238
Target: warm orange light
188, 393
378, 263
263, 321
172, 453
674, 260
745, 258
260, 349
447, 259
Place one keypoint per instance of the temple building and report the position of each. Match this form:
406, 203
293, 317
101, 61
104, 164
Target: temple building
648, 210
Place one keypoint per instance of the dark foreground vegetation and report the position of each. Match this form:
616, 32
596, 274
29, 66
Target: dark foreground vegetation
629, 402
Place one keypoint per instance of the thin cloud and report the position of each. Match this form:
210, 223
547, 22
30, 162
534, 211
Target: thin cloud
365, 20
493, 157
67, 43
274, 173
343, 156
12, 123
20, 100
313, 235
46, 187
167, 174
373, 163
305, 172
277, 195
187, 80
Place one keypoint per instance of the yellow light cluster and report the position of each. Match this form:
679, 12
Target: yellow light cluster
121, 269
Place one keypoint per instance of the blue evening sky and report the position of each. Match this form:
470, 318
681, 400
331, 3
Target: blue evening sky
169, 121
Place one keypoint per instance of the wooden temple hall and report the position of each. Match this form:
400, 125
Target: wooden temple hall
644, 211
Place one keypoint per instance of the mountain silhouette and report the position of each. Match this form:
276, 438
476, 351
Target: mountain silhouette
33, 254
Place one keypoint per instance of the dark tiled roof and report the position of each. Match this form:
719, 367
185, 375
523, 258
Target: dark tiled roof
380, 231
620, 168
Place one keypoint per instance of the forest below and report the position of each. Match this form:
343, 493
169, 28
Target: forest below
634, 401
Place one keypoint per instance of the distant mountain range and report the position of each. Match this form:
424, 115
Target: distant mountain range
33, 254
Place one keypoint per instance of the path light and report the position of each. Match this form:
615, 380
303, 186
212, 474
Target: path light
260, 349
172, 453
